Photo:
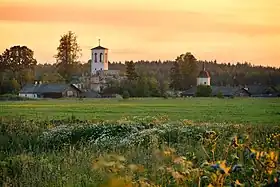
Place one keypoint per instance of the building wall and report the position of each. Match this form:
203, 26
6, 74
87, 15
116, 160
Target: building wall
71, 92
203, 81
96, 87
29, 95
99, 60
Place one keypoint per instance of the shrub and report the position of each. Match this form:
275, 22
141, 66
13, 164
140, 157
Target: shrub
220, 95
125, 95
203, 91
165, 95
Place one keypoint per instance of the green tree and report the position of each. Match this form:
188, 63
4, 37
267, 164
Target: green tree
20, 62
130, 71
203, 91
112, 87
163, 87
26, 76
188, 69
142, 87
183, 72
175, 77
154, 87
52, 78
15, 85
68, 54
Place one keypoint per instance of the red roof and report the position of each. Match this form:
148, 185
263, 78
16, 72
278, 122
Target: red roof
203, 74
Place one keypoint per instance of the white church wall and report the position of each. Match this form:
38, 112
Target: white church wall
99, 60
203, 81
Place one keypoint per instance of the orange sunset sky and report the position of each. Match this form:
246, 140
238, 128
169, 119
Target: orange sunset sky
226, 30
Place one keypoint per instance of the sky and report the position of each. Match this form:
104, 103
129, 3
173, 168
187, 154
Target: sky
225, 30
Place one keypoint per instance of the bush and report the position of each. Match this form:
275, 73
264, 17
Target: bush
125, 95
220, 95
165, 95
203, 91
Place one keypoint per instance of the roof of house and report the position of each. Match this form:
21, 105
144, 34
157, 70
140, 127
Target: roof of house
46, 87
225, 90
98, 47
260, 90
91, 94
203, 74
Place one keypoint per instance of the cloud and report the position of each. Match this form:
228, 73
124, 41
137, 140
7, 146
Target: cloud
151, 23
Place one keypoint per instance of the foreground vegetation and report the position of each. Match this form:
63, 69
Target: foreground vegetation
236, 111
137, 152
142, 142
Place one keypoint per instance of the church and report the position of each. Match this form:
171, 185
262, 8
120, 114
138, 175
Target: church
99, 70
204, 78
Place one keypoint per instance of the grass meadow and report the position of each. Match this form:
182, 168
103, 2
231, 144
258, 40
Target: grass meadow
140, 142
238, 110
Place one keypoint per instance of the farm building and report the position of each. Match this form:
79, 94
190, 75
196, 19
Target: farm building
204, 78
47, 90
226, 91
262, 91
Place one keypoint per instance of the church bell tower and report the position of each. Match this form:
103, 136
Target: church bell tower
99, 59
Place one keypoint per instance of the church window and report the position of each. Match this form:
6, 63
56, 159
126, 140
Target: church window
101, 57
95, 57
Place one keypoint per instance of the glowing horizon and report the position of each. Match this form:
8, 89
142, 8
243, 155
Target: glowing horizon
225, 30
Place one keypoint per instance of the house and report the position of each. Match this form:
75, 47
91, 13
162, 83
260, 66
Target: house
49, 90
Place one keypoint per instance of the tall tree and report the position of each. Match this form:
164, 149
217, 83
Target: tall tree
188, 69
175, 77
19, 60
130, 71
68, 54
184, 72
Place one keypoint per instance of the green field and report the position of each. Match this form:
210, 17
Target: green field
140, 142
238, 110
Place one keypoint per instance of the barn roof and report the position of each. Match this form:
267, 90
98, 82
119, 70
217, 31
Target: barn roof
46, 87
225, 90
260, 90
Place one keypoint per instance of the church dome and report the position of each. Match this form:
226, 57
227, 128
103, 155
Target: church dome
203, 74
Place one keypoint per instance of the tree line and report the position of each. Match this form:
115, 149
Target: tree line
143, 78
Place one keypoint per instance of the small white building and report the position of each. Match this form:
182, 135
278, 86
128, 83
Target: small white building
203, 77
99, 59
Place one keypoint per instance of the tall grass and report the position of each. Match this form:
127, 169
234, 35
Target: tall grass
137, 152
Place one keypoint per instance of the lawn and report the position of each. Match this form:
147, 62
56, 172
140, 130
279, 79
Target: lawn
238, 110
